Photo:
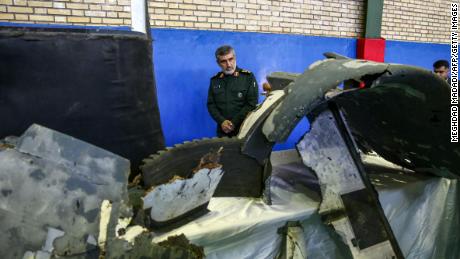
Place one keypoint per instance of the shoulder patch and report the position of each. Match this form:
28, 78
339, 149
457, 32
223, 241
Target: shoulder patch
244, 71
218, 75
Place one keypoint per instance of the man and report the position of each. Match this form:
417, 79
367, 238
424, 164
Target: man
441, 68
233, 93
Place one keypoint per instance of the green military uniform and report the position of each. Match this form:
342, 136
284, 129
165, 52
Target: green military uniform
232, 97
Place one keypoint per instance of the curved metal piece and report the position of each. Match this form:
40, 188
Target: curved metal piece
405, 118
279, 80
243, 178
308, 91
334, 55
254, 142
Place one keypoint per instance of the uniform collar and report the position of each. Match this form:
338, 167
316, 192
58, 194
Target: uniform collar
237, 73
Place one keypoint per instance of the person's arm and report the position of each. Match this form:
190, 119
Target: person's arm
212, 108
251, 101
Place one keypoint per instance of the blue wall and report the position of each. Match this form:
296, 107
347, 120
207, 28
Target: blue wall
417, 54
184, 62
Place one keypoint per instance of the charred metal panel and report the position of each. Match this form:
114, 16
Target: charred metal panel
363, 212
243, 175
52, 188
308, 91
325, 150
403, 113
405, 118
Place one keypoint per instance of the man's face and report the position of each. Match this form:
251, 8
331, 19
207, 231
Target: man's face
442, 72
227, 63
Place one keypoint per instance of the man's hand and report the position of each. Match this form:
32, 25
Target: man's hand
227, 126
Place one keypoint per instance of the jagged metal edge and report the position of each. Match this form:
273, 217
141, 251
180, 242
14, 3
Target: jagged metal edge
160, 155
238, 167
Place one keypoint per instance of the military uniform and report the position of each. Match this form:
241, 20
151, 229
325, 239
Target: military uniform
232, 97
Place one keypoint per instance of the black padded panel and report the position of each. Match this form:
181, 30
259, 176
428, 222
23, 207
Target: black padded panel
97, 86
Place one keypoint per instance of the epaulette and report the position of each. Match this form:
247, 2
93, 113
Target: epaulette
244, 71
218, 75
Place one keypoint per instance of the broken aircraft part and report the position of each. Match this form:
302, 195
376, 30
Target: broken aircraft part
62, 182
405, 117
308, 90
345, 187
348, 203
141, 246
243, 178
334, 55
294, 244
255, 144
424, 100
279, 80
402, 113
172, 201
261, 112
307, 96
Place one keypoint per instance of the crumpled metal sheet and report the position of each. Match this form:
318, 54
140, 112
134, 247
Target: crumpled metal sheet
347, 202
308, 90
405, 118
403, 113
323, 150
53, 182
173, 200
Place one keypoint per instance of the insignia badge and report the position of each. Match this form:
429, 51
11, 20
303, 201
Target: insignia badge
240, 95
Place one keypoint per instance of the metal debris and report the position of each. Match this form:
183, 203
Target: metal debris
294, 243
141, 246
52, 188
308, 90
405, 117
324, 150
395, 100
255, 144
58, 194
279, 80
168, 202
242, 179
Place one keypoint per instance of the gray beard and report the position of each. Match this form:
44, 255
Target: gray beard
230, 72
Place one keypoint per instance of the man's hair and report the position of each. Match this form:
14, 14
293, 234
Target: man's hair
224, 50
441, 63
